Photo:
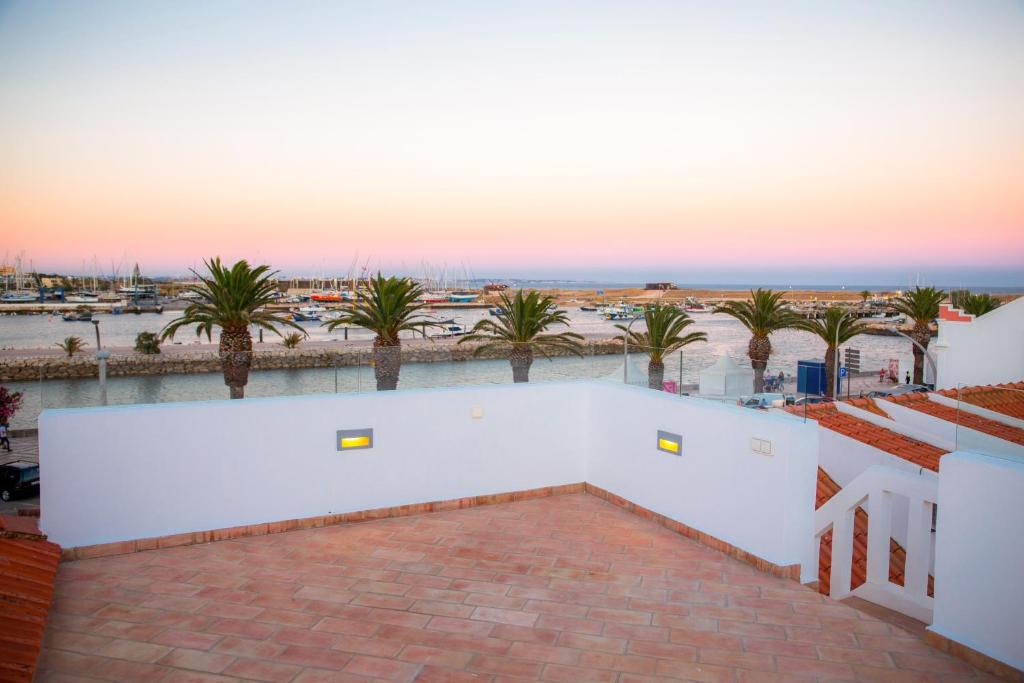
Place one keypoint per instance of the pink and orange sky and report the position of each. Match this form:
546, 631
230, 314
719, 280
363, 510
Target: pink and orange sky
728, 141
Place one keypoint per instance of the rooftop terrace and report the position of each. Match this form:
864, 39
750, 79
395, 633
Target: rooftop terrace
563, 588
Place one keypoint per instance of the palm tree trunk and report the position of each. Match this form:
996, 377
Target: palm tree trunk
830, 371
236, 358
922, 334
387, 364
759, 349
655, 373
521, 359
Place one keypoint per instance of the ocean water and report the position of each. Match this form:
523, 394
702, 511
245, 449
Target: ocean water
725, 336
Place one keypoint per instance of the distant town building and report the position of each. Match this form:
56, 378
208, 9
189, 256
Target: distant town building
495, 287
663, 286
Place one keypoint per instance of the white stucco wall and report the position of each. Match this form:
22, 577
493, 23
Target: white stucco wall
985, 351
719, 485
979, 596
130, 472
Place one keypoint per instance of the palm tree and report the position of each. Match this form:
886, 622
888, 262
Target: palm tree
387, 308
763, 314
979, 304
521, 328
837, 327
922, 306
865, 295
664, 336
232, 299
71, 345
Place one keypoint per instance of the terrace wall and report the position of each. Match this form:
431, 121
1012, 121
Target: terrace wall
133, 472
718, 484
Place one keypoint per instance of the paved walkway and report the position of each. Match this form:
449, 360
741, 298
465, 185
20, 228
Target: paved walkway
568, 588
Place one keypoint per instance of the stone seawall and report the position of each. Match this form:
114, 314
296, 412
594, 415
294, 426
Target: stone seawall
28, 369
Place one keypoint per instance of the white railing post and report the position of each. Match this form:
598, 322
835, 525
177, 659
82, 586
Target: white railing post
842, 554
879, 532
874, 490
919, 528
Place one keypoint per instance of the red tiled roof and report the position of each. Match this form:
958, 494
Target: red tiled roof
1007, 399
28, 569
912, 450
922, 403
869, 405
827, 487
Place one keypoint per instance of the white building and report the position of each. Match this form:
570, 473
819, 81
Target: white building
973, 350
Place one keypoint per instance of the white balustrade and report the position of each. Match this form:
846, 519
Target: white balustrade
873, 490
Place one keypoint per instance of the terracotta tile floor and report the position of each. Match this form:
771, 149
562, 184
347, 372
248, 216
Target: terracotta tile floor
568, 588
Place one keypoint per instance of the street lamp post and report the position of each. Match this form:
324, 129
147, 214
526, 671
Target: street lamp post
927, 354
837, 383
101, 357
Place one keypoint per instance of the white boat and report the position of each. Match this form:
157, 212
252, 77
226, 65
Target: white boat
450, 330
330, 316
138, 290
308, 313
19, 297
82, 298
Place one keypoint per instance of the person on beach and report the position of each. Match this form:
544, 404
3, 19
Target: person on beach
881, 375
908, 377
781, 380
5, 442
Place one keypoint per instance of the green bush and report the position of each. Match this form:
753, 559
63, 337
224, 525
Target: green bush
147, 342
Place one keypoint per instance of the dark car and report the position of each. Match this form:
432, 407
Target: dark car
18, 478
900, 390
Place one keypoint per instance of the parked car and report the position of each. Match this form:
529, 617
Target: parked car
764, 400
811, 400
899, 390
18, 478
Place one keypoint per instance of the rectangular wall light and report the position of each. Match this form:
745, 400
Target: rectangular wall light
670, 443
354, 439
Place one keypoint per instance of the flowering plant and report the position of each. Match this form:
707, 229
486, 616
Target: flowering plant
10, 401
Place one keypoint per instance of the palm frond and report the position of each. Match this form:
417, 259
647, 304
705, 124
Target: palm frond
836, 325
231, 298
524, 321
388, 307
664, 333
763, 314
920, 304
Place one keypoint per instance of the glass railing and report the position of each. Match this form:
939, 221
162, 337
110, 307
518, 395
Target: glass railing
195, 373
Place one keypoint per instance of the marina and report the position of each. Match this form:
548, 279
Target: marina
23, 336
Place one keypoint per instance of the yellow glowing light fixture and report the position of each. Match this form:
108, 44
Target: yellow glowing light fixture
354, 439
670, 443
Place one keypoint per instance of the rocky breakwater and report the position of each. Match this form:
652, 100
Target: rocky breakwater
29, 368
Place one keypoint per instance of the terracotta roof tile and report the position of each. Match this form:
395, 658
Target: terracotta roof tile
28, 568
826, 488
970, 420
912, 450
869, 405
1007, 399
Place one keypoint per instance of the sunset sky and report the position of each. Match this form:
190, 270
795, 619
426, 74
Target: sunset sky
697, 141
